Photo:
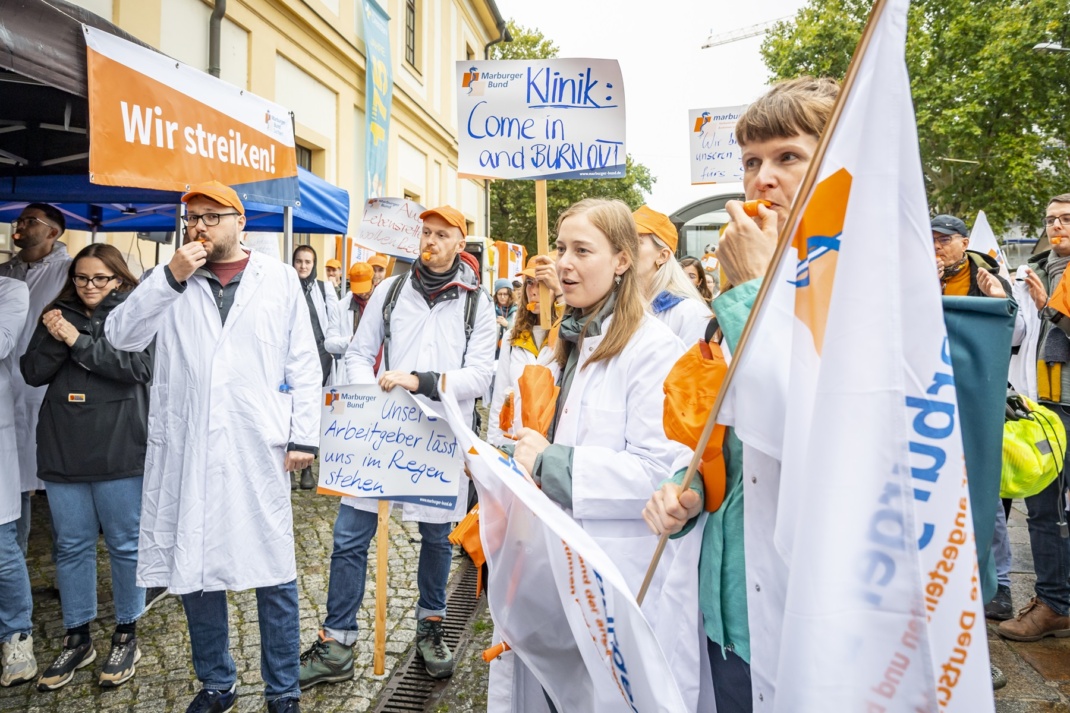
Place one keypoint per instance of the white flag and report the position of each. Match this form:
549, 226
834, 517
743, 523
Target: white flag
882, 610
556, 597
983, 240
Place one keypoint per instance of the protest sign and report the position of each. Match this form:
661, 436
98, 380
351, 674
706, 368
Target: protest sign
511, 258
540, 119
391, 226
385, 445
715, 154
158, 123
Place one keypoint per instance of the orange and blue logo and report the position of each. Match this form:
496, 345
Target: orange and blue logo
470, 78
817, 245
331, 397
701, 121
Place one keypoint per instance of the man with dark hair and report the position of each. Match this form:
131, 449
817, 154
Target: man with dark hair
41, 263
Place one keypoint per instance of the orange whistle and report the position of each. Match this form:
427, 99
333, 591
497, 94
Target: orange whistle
425, 256
532, 306
751, 207
495, 651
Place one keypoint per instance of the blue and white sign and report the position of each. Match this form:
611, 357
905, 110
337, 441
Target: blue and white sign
539, 119
716, 156
385, 445
378, 92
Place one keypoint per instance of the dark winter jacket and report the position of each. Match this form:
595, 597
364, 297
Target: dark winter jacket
94, 420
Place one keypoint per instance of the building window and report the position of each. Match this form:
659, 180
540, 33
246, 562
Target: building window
410, 32
304, 157
409, 195
469, 53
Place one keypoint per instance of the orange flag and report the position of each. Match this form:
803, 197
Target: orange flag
1060, 299
505, 416
690, 390
538, 398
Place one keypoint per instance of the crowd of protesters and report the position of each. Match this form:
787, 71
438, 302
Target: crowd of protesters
127, 401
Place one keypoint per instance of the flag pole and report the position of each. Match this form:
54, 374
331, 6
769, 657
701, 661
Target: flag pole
784, 241
542, 237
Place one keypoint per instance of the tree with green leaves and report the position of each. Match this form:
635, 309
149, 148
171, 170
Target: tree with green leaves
512, 203
993, 115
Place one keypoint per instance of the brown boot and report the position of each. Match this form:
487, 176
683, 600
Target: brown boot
1034, 622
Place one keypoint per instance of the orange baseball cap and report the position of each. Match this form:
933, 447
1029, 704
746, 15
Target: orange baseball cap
337, 264
449, 214
529, 271
220, 193
360, 278
648, 220
379, 261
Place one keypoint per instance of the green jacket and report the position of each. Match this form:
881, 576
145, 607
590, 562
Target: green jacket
722, 583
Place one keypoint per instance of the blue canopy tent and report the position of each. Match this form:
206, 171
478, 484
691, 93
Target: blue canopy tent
323, 207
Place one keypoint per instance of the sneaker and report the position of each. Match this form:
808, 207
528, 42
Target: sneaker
1034, 622
122, 661
999, 680
210, 701
1000, 608
19, 664
285, 705
438, 659
326, 661
307, 482
153, 596
77, 652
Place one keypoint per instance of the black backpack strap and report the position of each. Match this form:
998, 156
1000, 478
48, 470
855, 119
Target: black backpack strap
388, 307
471, 310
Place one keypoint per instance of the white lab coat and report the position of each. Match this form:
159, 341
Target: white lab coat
325, 301
215, 511
44, 278
339, 335
511, 363
613, 419
14, 304
687, 320
426, 339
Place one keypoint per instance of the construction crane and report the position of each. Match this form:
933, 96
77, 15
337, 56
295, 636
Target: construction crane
742, 33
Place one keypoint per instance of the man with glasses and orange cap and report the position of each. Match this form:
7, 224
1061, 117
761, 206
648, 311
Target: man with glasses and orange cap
41, 263
234, 407
440, 328
348, 312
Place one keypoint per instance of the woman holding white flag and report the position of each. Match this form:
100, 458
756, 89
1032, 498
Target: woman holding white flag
607, 450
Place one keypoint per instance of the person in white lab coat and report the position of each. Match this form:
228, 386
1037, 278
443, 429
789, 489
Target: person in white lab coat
427, 341
234, 405
16, 604
348, 313
673, 298
41, 263
608, 451
522, 345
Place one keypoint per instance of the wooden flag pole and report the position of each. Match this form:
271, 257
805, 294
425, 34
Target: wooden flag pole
542, 234
382, 545
783, 243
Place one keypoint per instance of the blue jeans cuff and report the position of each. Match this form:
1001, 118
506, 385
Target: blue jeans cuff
422, 613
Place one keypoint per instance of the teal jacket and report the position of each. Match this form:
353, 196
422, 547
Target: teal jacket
722, 567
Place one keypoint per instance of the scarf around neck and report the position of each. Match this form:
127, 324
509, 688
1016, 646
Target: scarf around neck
431, 284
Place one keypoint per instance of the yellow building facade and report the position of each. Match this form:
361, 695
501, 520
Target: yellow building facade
309, 56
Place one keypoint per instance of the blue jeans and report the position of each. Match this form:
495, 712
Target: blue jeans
23, 526
1051, 552
353, 532
16, 604
79, 512
280, 640
1001, 548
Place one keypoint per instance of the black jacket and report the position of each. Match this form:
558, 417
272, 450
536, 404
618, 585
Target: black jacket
94, 420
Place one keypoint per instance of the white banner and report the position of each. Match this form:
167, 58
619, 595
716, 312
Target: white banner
391, 226
715, 154
540, 118
557, 598
386, 445
983, 240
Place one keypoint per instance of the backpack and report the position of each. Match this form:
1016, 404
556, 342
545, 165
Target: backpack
471, 307
1034, 445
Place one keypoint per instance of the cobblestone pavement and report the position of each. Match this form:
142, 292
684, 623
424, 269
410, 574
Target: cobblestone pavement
165, 681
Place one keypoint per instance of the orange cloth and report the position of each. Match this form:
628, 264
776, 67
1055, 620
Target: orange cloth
1060, 298
538, 397
505, 416
466, 534
690, 391
959, 285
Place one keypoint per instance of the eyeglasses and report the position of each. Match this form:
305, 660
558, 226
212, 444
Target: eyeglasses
944, 239
209, 219
25, 221
1063, 220
99, 281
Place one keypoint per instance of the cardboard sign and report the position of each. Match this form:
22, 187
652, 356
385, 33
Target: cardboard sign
715, 155
391, 226
386, 445
539, 119
158, 123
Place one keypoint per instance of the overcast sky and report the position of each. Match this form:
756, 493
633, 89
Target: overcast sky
666, 73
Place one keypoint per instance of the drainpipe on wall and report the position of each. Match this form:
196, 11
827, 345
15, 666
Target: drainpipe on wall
503, 36
213, 36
